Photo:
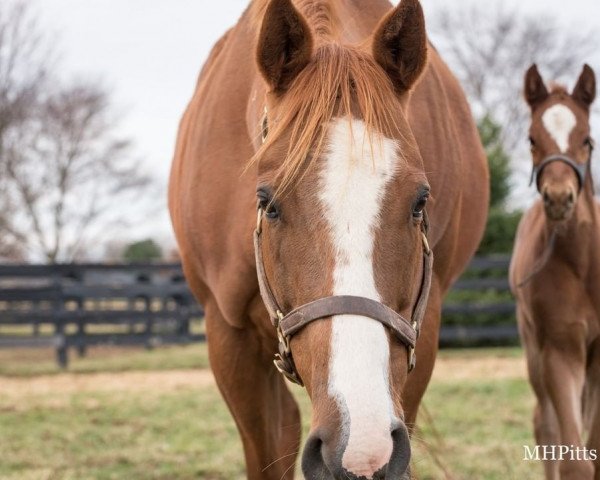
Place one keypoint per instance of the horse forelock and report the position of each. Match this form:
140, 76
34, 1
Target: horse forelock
340, 81
558, 89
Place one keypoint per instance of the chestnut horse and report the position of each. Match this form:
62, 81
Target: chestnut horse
555, 276
339, 120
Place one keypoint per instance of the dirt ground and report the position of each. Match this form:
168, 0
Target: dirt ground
447, 369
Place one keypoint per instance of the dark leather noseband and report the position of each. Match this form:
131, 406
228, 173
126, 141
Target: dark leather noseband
580, 169
289, 324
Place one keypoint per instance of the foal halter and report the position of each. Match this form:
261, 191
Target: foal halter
292, 322
580, 169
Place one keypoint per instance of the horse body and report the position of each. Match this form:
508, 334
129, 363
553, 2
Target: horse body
558, 300
212, 203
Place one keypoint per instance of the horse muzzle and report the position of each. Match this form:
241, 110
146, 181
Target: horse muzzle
322, 459
559, 202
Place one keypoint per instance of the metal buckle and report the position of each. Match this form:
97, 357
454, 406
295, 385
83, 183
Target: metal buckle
416, 328
284, 341
259, 220
425, 243
284, 367
412, 359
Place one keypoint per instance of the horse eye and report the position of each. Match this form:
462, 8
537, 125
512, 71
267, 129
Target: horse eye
531, 142
588, 142
420, 205
266, 203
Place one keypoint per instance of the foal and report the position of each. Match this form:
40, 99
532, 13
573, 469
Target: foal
555, 277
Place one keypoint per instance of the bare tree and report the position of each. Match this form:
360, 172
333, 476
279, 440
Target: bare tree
490, 47
24, 62
66, 178
67, 173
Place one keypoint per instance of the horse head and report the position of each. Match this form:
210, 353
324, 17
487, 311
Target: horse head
342, 255
561, 146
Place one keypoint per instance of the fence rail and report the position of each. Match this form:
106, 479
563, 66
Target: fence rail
81, 305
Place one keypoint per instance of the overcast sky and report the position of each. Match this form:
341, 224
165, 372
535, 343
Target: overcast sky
149, 53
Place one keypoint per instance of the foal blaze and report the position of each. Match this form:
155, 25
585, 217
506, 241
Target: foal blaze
354, 180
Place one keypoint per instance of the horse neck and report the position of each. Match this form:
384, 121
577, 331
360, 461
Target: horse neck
578, 239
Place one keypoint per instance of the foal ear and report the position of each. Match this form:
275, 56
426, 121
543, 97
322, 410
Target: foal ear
585, 89
535, 90
400, 44
284, 45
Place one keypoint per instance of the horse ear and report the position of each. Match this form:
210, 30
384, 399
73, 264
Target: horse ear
585, 89
535, 90
400, 44
284, 45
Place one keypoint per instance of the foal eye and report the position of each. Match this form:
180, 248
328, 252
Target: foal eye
420, 205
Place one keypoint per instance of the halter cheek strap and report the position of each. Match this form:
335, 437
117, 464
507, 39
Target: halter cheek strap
291, 323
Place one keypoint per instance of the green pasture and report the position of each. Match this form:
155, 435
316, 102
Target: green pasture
136, 414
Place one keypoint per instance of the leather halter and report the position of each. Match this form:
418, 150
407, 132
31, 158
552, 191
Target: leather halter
292, 322
580, 169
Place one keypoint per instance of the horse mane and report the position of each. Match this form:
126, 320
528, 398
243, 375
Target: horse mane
340, 81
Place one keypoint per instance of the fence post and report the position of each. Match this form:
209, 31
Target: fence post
59, 326
81, 346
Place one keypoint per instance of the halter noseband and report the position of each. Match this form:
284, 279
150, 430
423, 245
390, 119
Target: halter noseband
580, 169
292, 322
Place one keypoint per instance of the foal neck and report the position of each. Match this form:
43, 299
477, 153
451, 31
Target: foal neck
577, 240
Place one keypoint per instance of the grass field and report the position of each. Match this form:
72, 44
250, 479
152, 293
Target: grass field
131, 414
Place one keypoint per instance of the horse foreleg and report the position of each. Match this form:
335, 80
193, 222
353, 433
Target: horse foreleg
545, 424
564, 378
264, 410
426, 352
592, 407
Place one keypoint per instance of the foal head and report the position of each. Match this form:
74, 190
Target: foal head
560, 139
342, 187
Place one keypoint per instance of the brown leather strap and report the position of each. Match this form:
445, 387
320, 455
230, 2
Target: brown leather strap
295, 320
421, 306
348, 305
265, 291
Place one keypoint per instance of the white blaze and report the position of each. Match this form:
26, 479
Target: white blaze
353, 185
559, 121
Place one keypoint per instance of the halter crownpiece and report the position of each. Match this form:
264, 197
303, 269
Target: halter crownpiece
289, 324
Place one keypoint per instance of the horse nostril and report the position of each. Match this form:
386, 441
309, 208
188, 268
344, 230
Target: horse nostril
400, 459
571, 197
313, 463
546, 197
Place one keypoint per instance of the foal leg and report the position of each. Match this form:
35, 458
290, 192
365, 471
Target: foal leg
564, 377
592, 405
545, 424
547, 433
264, 410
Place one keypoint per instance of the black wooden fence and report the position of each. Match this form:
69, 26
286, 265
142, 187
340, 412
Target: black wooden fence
82, 305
